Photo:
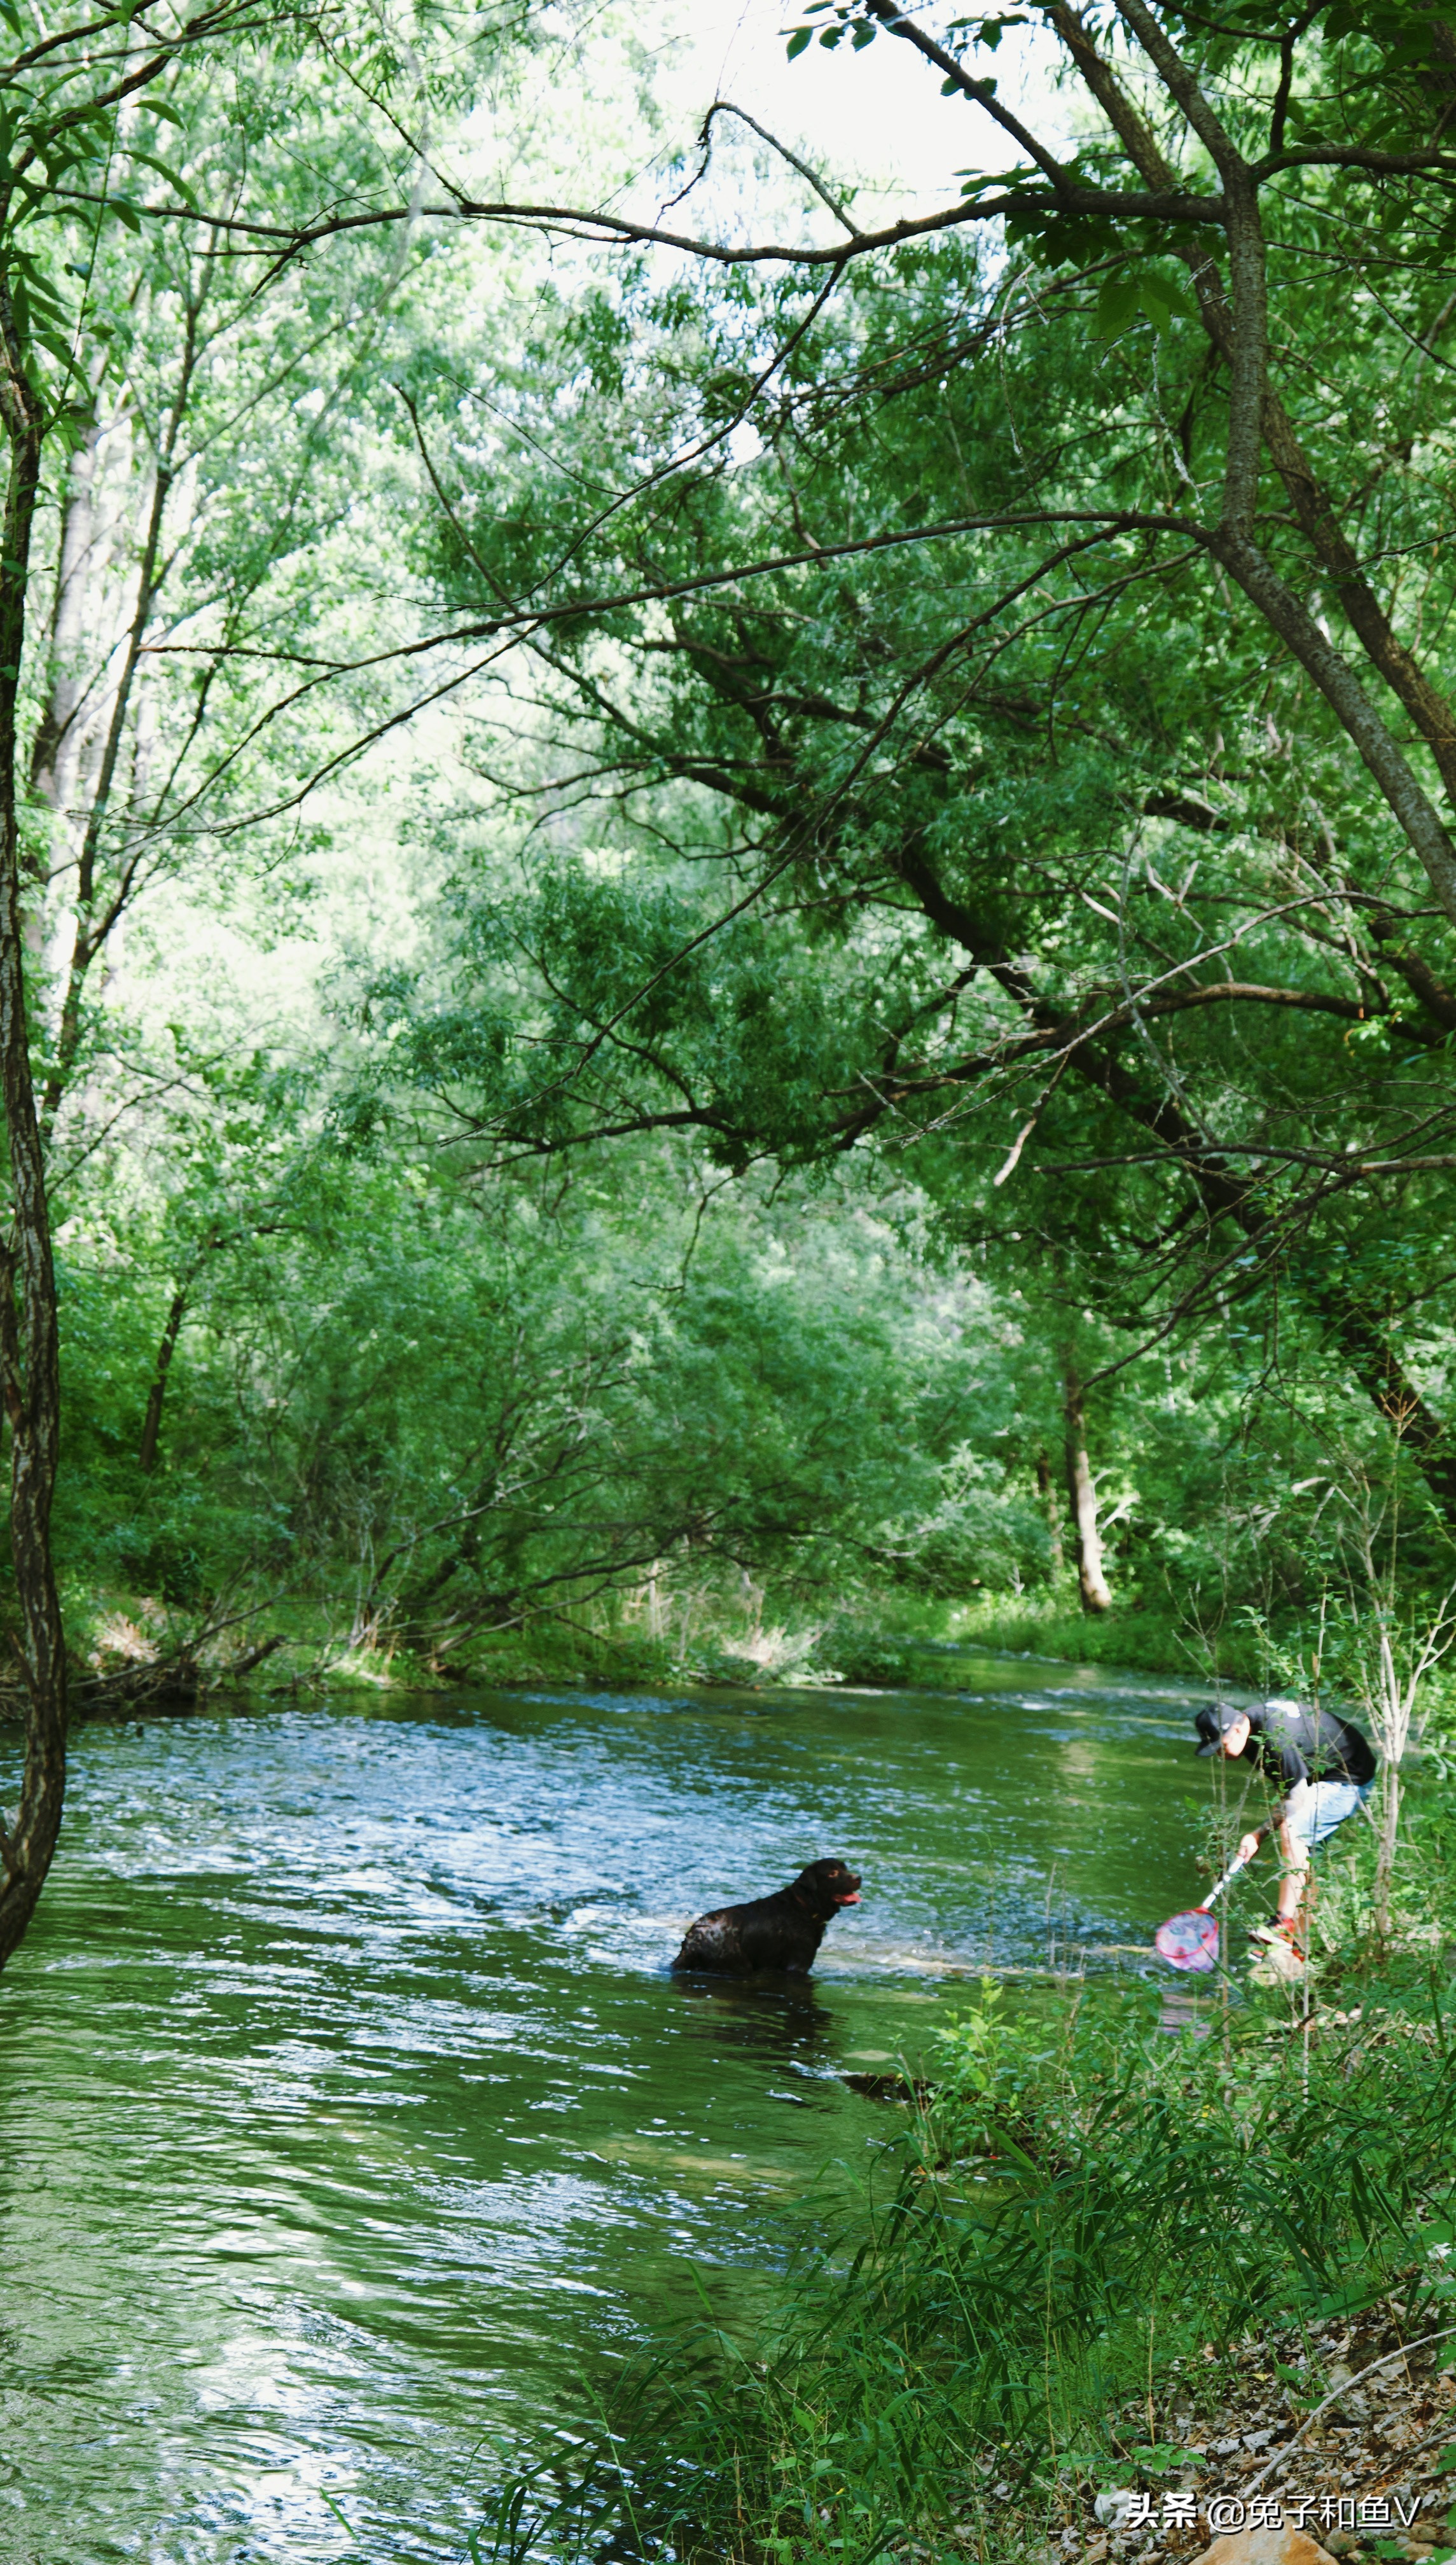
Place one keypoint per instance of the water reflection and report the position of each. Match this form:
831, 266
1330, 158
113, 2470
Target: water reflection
347, 2109
778, 2023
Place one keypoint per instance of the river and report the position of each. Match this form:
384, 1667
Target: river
349, 2113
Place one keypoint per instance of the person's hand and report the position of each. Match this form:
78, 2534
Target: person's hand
1248, 1846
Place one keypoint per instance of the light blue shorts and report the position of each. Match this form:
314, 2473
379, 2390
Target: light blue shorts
1316, 1808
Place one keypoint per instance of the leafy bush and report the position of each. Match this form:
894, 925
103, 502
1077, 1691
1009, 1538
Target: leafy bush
862, 1658
1079, 2206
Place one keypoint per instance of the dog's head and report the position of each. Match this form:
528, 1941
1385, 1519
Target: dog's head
828, 1885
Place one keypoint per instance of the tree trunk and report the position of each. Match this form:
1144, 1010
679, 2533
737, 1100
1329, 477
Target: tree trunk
90, 931
55, 752
29, 1367
1095, 1596
1389, 1836
151, 1421
1047, 1490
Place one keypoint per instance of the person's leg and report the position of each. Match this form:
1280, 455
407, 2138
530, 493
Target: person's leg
1312, 1812
1294, 1845
1294, 1849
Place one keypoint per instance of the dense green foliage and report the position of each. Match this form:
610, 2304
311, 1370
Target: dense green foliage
459, 1407
1080, 2220
699, 921
687, 912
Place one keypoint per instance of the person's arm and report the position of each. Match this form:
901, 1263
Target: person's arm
1277, 1818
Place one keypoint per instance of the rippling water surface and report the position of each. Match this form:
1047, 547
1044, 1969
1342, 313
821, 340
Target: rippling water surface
348, 2114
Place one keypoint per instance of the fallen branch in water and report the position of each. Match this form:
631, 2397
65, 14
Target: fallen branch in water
178, 1682
255, 1657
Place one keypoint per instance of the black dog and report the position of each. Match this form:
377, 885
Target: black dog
779, 1932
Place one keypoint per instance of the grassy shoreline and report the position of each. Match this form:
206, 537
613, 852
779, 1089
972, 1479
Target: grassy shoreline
892, 1642
1095, 2262
1018, 2321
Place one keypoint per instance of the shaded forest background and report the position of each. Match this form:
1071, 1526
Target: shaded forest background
704, 980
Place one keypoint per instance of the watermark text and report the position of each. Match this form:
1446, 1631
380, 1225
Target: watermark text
1269, 2511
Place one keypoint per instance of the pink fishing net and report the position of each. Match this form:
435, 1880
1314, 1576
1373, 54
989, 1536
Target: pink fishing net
1188, 1941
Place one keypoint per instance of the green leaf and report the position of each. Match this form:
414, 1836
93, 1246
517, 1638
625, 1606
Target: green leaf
975, 182
1160, 300
164, 169
1149, 295
1120, 300
43, 301
801, 37
125, 215
987, 31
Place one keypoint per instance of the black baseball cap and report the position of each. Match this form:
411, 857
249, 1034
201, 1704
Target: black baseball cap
1213, 1726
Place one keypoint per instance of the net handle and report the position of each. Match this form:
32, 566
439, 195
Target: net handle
1234, 1868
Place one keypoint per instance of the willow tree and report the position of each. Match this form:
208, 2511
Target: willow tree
71, 126
1017, 685
156, 171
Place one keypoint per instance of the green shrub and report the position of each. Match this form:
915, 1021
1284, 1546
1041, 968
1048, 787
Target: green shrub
1081, 2204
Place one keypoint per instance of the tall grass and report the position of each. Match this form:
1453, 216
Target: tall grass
1139, 1634
1081, 2204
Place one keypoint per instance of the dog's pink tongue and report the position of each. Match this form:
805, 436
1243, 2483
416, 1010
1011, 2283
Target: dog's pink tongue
852, 1900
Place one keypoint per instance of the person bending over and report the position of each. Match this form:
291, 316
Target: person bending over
1323, 1767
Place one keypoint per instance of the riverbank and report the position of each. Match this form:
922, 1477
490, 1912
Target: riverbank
366, 1998
136, 1649
352, 2121
1102, 2281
